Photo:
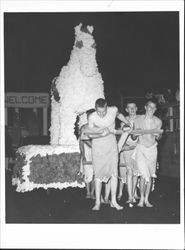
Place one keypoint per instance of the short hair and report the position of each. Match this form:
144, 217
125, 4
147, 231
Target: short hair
100, 103
151, 101
130, 102
90, 111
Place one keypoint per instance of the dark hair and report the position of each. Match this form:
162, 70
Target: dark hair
90, 111
100, 103
151, 101
130, 102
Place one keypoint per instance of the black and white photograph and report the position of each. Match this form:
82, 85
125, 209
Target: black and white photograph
92, 124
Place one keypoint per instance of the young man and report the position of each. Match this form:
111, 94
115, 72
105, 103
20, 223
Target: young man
145, 153
128, 168
105, 150
86, 158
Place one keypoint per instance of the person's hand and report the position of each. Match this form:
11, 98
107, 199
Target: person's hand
84, 159
105, 132
129, 124
134, 137
126, 128
138, 132
132, 147
130, 130
128, 147
157, 136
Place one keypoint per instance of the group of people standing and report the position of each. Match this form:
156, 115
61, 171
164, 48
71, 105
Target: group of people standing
102, 161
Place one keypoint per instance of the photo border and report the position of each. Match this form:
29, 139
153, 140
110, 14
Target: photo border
114, 236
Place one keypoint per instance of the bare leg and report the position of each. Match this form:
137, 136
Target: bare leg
98, 187
148, 188
92, 189
114, 182
134, 184
129, 185
88, 194
123, 175
107, 191
142, 192
120, 193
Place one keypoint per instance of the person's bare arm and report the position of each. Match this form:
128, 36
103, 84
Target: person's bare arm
127, 147
159, 125
104, 132
98, 132
135, 126
81, 144
122, 118
88, 143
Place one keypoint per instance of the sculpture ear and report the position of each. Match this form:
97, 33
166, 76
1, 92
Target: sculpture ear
90, 28
86, 29
79, 44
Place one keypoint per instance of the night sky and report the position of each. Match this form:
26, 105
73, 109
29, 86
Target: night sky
136, 52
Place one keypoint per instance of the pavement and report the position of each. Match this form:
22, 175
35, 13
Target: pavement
70, 206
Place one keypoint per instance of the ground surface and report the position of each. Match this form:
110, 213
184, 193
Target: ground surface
70, 206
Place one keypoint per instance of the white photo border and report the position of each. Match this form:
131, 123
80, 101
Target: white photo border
110, 236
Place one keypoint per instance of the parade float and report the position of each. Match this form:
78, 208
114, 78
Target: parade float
73, 92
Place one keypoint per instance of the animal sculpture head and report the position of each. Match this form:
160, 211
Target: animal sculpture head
85, 49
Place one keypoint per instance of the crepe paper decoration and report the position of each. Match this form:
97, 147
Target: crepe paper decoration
122, 140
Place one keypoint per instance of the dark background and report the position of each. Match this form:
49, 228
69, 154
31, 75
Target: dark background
136, 52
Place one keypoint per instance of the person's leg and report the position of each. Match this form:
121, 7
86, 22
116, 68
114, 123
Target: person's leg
147, 192
87, 179
129, 185
113, 183
134, 187
88, 194
91, 181
107, 192
92, 189
120, 192
142, 192
98, 187
123, 177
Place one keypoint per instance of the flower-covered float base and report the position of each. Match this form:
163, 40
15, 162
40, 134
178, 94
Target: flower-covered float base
39, 166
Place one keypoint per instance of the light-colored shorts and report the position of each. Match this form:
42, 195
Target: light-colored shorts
122, 173
129, 162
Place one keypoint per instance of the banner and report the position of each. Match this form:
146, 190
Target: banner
27, 100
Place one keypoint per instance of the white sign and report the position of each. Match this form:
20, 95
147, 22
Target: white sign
27, 100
